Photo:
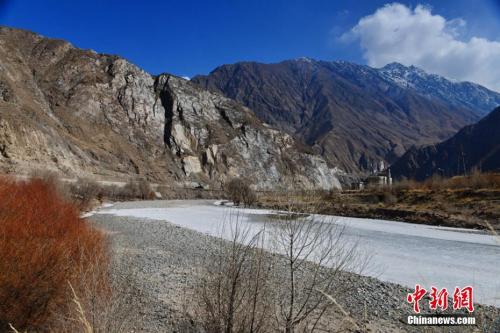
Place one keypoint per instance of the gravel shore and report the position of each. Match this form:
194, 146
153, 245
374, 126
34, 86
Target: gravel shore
166, 261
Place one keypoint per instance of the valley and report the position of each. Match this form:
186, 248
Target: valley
167, 241
300, 195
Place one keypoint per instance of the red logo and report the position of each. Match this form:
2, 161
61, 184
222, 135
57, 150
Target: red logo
439, 299
416, 297
462, 298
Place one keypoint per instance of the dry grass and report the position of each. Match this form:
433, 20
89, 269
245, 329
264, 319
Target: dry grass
467, 202
81, 316
476, 180
43, 246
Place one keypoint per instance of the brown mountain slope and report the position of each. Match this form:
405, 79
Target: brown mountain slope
97, 115
473, 147
351, 114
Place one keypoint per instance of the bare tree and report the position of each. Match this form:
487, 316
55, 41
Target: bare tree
247, 289
315, 252
234, 291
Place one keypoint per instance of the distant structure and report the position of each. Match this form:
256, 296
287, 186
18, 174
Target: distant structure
380, 177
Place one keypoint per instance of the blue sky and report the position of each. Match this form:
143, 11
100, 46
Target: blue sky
194, 37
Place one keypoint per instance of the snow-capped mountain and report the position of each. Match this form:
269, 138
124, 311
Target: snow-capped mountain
461, 94
354, 115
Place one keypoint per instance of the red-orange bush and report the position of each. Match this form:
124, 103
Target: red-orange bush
44, 246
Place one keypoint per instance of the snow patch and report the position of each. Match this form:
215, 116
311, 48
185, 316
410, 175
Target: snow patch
88, 214
226, 203
93, 212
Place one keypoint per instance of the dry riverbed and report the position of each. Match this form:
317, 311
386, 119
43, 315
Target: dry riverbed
166, 262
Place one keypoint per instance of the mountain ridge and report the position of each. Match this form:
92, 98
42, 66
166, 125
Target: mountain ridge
351, 114
463, 93
87, 114
475, 146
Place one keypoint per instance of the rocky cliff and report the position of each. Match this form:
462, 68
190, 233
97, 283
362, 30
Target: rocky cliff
90, 114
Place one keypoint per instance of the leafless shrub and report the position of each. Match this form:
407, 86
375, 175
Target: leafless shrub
234, 293
43, 245
404, 184
111, 192
478, 180
138, 189
315, 251
239, 191
333, 193
435, 182
44, 175
52, 179
84, 191
244, 285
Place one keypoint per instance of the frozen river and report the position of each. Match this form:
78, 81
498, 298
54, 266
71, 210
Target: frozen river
400, 252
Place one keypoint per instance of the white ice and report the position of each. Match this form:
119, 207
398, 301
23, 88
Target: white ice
401, 252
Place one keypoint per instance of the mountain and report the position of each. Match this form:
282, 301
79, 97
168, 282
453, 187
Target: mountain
88, 114
473, 147
354, 115
461, 94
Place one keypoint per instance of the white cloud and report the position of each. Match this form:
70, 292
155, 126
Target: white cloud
417, 37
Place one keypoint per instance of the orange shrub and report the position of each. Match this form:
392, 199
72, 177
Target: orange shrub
44, 246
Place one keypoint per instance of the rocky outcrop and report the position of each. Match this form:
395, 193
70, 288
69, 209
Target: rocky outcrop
473, 147
88, 114
354, 115
217, 138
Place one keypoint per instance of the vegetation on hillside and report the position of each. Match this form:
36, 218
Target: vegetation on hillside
463, 201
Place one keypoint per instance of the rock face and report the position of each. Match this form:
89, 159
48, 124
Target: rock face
90, 114
355, 116
475, 146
